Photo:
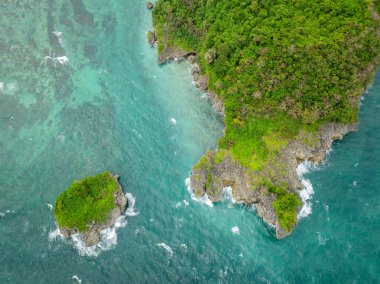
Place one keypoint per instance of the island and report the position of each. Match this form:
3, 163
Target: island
89, 206
287, 78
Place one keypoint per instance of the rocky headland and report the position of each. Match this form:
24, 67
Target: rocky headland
217, 169
284, 96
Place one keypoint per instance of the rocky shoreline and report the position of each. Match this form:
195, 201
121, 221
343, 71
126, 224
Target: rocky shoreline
210, 176
201, 81
91, 236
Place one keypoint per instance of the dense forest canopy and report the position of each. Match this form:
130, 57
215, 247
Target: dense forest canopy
281, 68
86, 201
277, 64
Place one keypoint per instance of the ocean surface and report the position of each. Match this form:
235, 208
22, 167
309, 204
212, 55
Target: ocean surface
81, 93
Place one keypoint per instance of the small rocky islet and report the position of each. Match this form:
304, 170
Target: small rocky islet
89, 206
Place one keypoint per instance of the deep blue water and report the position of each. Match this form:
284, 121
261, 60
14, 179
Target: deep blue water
111, 107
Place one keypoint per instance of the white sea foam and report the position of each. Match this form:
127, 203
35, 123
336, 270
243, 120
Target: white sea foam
167, 248
131, 205
1, 86
76, 278
62, 60
183, 203
57, 34
2, 214
50, 207
326, 207
204, 199
139, 230
108, 237
183, 247
53, 235
173, 121
307, 192
227, 194
235, 230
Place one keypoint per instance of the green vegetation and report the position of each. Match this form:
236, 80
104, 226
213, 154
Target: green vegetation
204, 163
278, 66
286, 206
87, 200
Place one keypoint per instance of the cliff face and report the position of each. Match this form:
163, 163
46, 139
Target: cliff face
91, 236
217, 170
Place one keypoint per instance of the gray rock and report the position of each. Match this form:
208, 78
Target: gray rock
149, 5
152, 38
212, 174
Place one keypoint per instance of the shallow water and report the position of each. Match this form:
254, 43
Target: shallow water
111, 107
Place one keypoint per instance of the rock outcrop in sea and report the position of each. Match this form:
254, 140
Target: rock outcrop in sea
91, 236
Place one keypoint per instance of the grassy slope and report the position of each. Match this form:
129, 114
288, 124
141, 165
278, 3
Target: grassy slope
87, 200
279, 66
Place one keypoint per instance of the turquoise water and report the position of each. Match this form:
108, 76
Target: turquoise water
111, 107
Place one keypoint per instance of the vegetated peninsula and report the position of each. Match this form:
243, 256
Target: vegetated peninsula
287, 75
89, 206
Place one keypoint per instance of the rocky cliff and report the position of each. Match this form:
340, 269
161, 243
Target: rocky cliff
217, 170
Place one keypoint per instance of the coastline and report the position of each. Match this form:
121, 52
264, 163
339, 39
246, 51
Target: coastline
201, 81
210, 176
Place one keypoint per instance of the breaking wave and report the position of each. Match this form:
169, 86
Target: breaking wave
308, 191
204, 199
166, 247
235, 230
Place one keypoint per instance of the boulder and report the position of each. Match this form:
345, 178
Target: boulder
149, 5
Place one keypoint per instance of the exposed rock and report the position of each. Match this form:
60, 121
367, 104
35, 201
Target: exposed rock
210, 176
91, 236
152, 38
149, 5
172, 53
216, 170
201, 81
257, 95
